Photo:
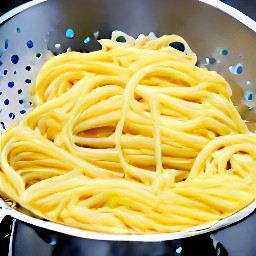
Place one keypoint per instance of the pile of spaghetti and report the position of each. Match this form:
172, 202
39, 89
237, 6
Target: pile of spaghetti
133, 138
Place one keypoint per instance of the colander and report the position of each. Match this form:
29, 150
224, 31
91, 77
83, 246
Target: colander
222, 37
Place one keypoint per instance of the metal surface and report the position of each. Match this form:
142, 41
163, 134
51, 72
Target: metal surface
208, 30
190, 19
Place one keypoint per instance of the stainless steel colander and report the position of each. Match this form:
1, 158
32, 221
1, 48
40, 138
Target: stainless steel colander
222, 37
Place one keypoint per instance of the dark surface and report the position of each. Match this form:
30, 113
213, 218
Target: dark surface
246, 6
26, 240
7, 5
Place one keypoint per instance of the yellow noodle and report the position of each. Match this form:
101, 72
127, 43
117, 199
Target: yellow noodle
133, 138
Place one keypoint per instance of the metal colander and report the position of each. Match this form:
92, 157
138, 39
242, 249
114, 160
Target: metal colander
222, 37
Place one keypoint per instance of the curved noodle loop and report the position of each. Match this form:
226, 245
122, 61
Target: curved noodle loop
133, 138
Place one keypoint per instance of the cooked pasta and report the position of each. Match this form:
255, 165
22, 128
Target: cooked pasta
133, 138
